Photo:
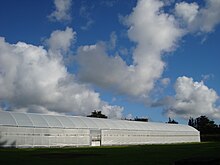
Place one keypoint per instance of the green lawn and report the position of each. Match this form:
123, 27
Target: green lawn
123, 155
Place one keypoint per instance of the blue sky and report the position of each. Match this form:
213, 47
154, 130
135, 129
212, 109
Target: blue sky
145, 58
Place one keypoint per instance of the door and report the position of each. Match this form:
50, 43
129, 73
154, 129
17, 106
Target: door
95, 137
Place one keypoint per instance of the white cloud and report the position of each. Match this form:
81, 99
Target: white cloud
33, 79
62, 11
192, 99
187, 11
199, 19
60, 41
99, 68
154, 32
112, 111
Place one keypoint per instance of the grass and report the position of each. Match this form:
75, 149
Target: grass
142, 154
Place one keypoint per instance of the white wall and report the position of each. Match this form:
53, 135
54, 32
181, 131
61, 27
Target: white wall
124, 137
43, 137
59, 137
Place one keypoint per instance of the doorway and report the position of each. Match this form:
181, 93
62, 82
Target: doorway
95, 137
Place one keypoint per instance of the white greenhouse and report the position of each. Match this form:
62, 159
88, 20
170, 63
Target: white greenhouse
37, 130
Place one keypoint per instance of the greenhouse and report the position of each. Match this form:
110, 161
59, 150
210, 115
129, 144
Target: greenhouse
38, 130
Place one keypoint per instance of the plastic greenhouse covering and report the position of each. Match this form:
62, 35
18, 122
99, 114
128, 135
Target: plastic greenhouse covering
51, 121
40, 130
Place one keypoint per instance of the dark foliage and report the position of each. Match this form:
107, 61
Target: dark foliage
209, 131
204, 125
97, 114
172, 121
141, 119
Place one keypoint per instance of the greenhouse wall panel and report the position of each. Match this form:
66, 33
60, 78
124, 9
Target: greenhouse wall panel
37, 130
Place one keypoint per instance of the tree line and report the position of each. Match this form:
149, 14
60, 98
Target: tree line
209, 130
98, 114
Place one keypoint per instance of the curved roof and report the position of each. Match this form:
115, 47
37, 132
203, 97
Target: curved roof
56, 121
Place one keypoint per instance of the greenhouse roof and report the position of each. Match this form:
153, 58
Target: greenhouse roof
57, 121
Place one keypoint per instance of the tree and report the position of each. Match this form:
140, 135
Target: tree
209, 131
97, 114
141, 119
203, 124
172, 121
191, 122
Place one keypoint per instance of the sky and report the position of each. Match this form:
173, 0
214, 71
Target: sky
134, 58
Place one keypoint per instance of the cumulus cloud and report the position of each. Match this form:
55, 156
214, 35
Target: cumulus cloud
33, 79
101, 69
192, 99
60, 41
62, 11
199, 19
154, 33
187, 11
